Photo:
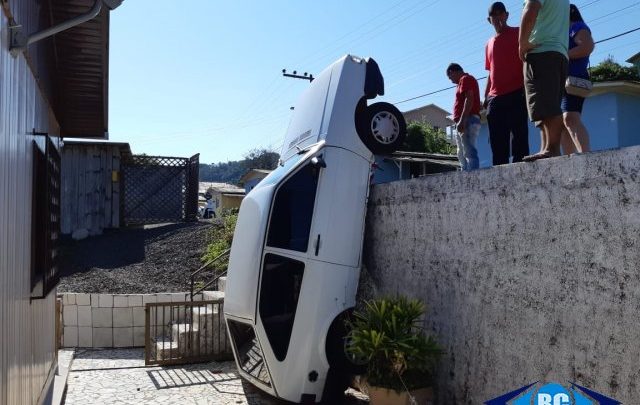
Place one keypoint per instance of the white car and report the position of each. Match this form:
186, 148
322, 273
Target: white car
296, 252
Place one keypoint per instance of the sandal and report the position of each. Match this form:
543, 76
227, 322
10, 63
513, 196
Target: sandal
537, 156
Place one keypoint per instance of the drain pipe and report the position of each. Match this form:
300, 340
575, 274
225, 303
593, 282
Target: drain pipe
18, 41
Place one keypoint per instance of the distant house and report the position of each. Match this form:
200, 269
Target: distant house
610, 114
406, 165
225, 196
430, 114
635, 60
252, 177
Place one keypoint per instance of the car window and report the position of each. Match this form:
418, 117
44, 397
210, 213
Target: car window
292, 211
279, 292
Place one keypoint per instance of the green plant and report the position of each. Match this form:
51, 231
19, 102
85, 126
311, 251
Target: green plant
386, 334
609, 70
422, 137
222, 236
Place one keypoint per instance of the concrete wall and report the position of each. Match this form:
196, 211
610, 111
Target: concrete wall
115, 320
530, 271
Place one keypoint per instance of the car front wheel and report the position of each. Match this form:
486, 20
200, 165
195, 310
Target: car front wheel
381, 127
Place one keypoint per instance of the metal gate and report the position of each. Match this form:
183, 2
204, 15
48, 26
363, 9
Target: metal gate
159, 189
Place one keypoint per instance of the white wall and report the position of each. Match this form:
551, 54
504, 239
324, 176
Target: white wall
27, 329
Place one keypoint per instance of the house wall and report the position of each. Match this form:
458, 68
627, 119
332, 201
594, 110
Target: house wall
250, 184
608, 118
227, 202
529, 271
90, 198
429, 114
600, 115
628, 108
27, 328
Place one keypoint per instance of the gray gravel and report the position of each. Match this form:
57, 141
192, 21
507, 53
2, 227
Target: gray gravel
139, 260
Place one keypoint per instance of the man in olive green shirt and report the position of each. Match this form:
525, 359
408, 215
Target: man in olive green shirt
544, 43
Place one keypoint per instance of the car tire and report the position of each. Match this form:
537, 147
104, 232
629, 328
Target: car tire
380, 126
341, 367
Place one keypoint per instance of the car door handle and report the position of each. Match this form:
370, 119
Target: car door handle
317, 244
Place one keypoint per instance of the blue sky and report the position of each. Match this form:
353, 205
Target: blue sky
204, 76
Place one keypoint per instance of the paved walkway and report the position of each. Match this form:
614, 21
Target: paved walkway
118, 376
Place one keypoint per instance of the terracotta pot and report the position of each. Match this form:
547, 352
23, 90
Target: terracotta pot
385, 396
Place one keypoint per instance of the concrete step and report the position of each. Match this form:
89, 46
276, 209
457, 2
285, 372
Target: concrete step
183, 332
191, 340
163, 348
207, 317
213, 295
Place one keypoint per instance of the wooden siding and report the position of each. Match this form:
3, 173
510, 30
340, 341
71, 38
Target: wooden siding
70, 67
27, 328
90, 197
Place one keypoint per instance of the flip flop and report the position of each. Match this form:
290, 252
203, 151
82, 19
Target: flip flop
537, 156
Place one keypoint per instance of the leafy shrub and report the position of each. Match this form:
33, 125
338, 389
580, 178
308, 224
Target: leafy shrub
222, 236
609, 70
387, 335
422, 137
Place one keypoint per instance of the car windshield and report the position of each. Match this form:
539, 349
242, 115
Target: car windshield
282, 170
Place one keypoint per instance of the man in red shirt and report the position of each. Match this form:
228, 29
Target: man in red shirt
466, 114
504, 96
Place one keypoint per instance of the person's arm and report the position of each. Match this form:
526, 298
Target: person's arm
487, 66
466, 110
528, 21
486, 91
584, 45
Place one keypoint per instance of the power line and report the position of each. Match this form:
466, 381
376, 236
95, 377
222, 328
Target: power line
484, 77
617, 36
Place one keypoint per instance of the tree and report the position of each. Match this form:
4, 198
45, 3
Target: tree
230, 172
609, 70
422, 137
261, 158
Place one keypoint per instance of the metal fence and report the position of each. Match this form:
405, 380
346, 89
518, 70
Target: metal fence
185, 332
159, 189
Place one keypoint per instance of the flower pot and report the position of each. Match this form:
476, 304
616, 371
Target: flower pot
385, 396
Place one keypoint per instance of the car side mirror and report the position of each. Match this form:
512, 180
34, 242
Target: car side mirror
318, 161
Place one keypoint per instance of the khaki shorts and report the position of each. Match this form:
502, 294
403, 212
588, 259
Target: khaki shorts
545, 74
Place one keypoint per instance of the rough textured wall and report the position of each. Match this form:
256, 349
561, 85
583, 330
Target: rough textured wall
530, 271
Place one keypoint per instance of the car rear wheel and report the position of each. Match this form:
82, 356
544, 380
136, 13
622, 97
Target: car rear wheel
381, 127
342, 366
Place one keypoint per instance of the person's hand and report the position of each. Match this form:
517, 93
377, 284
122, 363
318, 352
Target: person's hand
525, 47
461, 124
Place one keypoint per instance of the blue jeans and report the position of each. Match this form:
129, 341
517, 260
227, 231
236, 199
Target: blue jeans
466, 142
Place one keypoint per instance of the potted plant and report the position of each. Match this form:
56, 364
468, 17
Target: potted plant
400, 358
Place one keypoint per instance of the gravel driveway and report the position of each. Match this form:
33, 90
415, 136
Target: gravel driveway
135, 260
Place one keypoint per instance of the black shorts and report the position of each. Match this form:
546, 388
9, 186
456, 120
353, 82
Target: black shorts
545, 74
571, 103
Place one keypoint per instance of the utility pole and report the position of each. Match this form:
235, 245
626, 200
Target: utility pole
295, 75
